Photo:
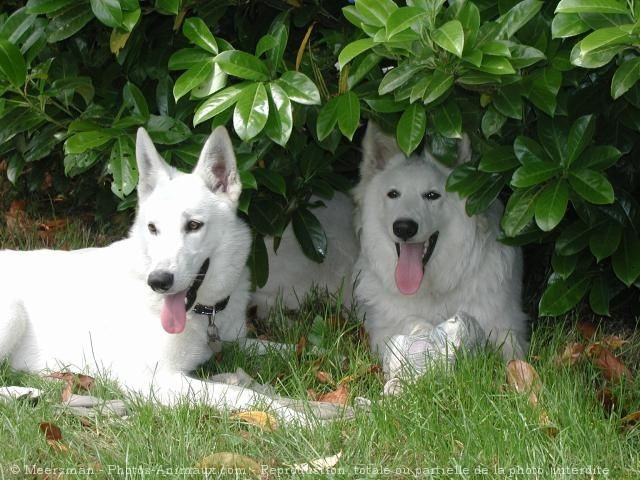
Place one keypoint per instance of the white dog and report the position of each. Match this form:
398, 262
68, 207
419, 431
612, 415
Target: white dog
423, 258
148, 309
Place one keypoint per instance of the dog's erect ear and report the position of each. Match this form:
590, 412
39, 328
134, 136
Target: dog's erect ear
217, 165
378, 148
151, 167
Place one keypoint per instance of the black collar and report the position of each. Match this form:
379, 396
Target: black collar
193, 292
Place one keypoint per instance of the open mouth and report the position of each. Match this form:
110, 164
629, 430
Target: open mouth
176, 305
412, 260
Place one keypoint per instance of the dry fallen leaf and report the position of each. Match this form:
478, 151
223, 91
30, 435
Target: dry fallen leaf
571, 354
324, 377
614, 342
16, 217
339, 396
53, 436
610, 365
587, 329
523, 378
631, 419
84, 382
318, 465
302, 342
229, 460
259, 418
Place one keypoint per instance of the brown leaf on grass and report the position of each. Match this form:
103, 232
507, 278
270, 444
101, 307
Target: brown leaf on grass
302, 343
324, 377
570, 355
610, 365
630, 420
16, 217
587, 329
339, 396
256, 417
229, 461
84, 382
71, 380
47, 230
614, 342
67, 391
523, 378
51, 431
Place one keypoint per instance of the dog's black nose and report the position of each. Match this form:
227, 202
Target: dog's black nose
160, 280
405, 228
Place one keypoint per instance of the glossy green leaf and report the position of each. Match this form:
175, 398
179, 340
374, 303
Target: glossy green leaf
280, 122
251, 111
596, 58
580, 136
217, 104
38, 7
450, 37
508, 101
68, 21
523, 56
12, 65
543, 87
519, 211
134, 99
528, 151
605, 37
562, 295
497, 48
496, 65
191, 79
439, 85
361, 68
447, 119
185, 58
216, 81
480, 200
626, 260
551, 205
199, 34
625, 77
566, 25
598, 157
411, 128
563, 265
310, 234
376, 12
327, 118
534, 173
573, 239
492, 122
271, 180
592, 6
242, 65
266, 217
498, 159
592, 186
299, 88
599, 296
348, 114
403, 18
354, 49
465, 180
82, 141
171, 7
517, 17
604, 241
108, 12
398, 76
166, 130
122, 165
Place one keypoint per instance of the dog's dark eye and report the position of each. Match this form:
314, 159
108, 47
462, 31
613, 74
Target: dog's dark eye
194, 226
393, 193
152, 228
431, 195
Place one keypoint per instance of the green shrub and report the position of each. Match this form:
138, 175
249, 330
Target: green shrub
547, 90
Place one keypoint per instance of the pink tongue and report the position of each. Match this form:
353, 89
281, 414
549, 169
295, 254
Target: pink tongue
409, 271
173, 314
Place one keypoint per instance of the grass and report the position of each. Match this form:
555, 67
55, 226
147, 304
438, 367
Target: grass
461, 423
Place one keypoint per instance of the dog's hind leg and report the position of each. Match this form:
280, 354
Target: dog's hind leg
512, 344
